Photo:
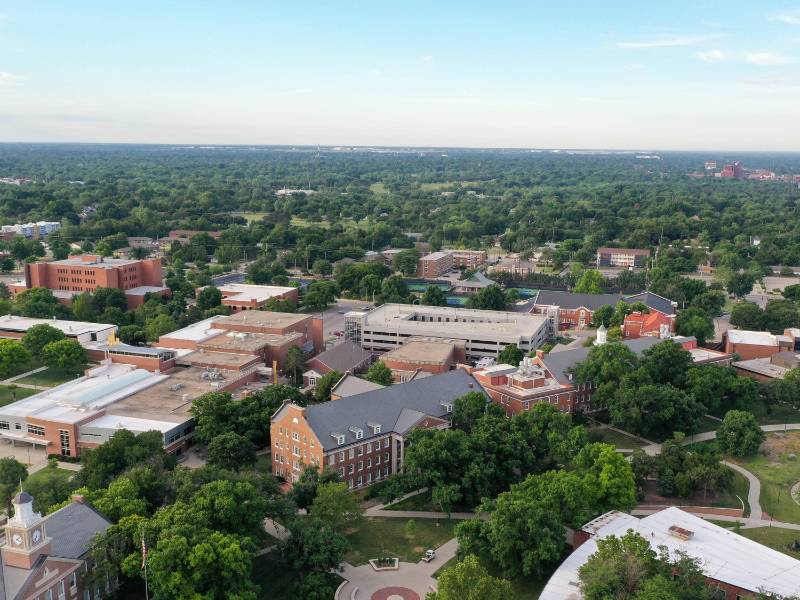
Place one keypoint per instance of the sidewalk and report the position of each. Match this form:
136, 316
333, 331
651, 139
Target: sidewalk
654, 449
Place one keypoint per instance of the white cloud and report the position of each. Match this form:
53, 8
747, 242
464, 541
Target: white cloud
791, 17
712, 56
768, 59
7, 78
668, 42
427, 58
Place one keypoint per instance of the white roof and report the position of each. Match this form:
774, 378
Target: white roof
260, 293
133, 424
725, 555
196, 332
15, 323
756, 338
80, 398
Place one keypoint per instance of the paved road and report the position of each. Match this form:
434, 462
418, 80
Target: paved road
333, 318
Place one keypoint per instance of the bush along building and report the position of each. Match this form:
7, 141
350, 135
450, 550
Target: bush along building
363, 437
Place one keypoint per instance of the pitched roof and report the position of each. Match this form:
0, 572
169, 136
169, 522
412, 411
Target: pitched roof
571, 301
350, 385
72, 529
477, 278
343, 357
559, 363
385, 406
653, 301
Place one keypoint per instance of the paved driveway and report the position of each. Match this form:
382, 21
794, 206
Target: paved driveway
24, 453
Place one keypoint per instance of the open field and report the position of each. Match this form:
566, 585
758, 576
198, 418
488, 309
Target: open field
778, 469
9, 394
250, 216
379, 188
49, 378
615, 438
444, 185
375, 537
775, 538
301, 222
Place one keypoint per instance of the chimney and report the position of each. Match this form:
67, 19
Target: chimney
471, 385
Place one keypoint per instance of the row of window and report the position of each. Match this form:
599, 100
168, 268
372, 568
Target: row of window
351, 467
61, 588
359, 450
366, 480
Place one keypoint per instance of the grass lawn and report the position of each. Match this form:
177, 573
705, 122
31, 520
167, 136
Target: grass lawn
301, 222
375, 537
616, 438
7, 394
730, 498
775, 538
777, 473
49, 377
780, 413
45, 475
250, 216
379, 188
525, 588
423, 502
276, 578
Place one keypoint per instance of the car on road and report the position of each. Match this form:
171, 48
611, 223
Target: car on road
429, 555
341, 312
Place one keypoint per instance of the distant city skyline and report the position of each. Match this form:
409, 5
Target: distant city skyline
716, 76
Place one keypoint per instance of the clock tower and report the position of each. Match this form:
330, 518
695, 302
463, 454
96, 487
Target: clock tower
26, 538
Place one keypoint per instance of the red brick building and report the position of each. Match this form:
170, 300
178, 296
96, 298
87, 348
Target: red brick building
85, 273
652, 324
363, 437
435, 264
468, 259
760, 344
426, 355
629, 258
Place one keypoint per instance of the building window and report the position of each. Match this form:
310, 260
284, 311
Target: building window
62, 588
295, 436
4, 425
332, 459
35, 430
361, 465
386, 442
361, 450
351, 453
341, 456
64, 435
350, 469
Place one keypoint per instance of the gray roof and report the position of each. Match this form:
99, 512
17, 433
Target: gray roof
22, 498
72, 529
478, 278
571, 301
350, 385
559, 363
391, 407
343, 357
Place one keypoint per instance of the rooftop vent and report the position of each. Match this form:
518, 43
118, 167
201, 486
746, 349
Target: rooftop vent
681, 533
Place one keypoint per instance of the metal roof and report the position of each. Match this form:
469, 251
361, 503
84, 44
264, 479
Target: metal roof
343, 357
72, 529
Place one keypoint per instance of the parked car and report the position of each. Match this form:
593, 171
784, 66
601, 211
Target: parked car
429, 555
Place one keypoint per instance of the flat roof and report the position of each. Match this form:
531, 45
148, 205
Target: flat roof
463, 322
261, 318
435, 255
22, 324
248, 342
639, 251
223, 359
422, 352
196, 332
245, 292
762, 366
141, 290
103, 262
724, 555
756, 338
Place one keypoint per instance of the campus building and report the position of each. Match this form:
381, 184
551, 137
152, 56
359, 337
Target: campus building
435, 264
468, 259
71, 276
34, 231
549, 377
15, 327
363, 437
345, 357
651, 324
629, 258
777, 366
735, 566
567, 310
423, 356
748, 345
243, 296
44, 557
484, 332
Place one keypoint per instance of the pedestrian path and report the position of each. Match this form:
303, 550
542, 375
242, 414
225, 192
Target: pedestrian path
22, 375
655, 449
754, 493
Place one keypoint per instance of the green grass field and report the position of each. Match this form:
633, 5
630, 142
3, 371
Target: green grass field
9, 394
250, 216
780, 413
616, 438
379, 188
49, 378
375, 537
301, 222
777, 472
434, 186
775, 538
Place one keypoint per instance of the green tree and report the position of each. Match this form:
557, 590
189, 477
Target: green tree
379, 373
489, 298
610, 476
231, 451
159, 325
304, 490
122, 451
335, 506
510, 355
209, 297
394, 289
603, 316
313, 547
12, 474
434, 296
468, 580
322, 267
694, 322
740, 434
133, 335
322, 391
38, 336
444, 497
748, 316
406, 261
294, 363
50, 487
83, 307
605, 367
65, 354
590, 282
470, 407
13, 357
740, 284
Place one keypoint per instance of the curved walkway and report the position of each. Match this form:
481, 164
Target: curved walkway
654, 449
754, 491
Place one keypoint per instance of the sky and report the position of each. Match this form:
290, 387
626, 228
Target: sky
669, 75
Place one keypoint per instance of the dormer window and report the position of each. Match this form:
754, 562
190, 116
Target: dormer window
448, 407
357, 432
339, 437
376, 427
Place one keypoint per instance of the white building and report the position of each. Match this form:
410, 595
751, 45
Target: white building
30, 230
485, 332
14, 327
738, 566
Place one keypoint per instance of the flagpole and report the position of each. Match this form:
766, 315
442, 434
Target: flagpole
144, 566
